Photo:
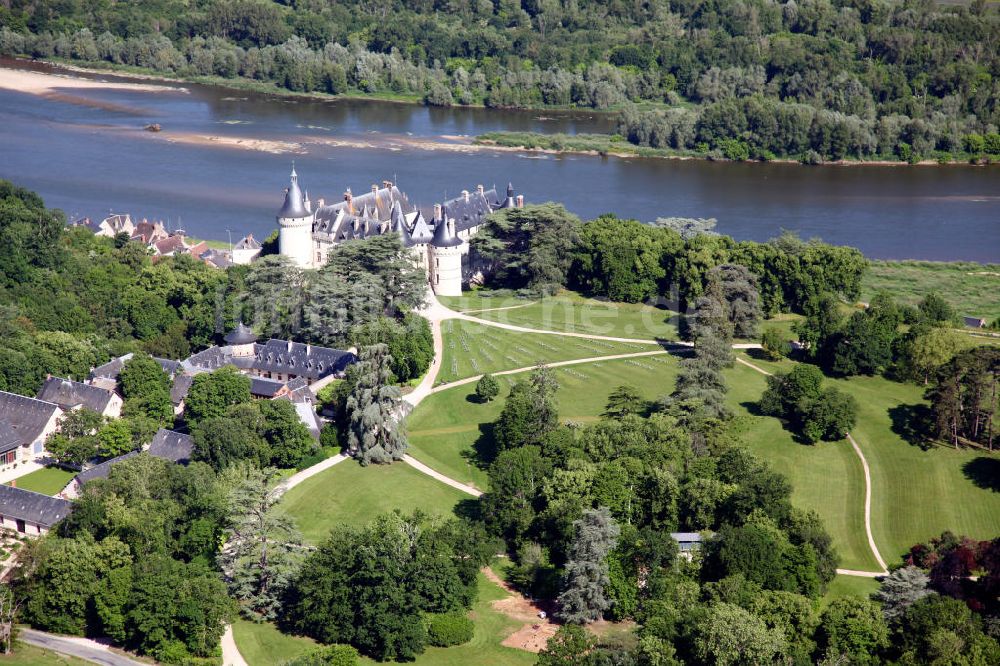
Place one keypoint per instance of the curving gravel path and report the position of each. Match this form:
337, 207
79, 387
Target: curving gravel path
868, 499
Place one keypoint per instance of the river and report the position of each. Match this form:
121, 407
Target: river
223, 157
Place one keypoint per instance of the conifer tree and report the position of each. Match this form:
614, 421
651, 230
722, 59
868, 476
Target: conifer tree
584, 597
373, 407
262, 549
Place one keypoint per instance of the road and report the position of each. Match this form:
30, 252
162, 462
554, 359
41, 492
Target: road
81, 648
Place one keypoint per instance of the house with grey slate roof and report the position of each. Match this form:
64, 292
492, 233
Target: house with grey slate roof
30, 513
72, 395
24, 425
306, 235
170, 445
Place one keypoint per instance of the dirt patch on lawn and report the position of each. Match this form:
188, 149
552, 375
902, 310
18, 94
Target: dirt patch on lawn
534, 635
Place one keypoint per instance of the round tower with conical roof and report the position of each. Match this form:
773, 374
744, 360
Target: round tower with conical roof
295, 226
446, 256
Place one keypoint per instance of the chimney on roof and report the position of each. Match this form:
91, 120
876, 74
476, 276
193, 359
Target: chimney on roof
320, 202
290, 346
465, 194
520, 201
480, 190
387, 184
374, 188
309, 349
13, 483
437, 212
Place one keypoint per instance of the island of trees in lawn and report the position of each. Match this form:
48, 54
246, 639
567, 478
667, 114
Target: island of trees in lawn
159, 557
737, 79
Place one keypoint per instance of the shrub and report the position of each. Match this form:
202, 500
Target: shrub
449, 629
487, 388
775, 346
332, 655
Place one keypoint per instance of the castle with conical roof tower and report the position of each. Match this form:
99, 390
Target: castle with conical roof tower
438, 239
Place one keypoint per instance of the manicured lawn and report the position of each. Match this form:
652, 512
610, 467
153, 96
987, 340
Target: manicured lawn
826, 477
849, 586
261, 644
29, 655
264, 645
444, 428
574, 313
48, 481
916, 494
973, 289
471, 349
569, 311
352, 494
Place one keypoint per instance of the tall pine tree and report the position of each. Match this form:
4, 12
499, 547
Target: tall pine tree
373, 409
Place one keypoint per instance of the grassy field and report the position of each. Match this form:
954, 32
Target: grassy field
350, 493
572, 312
264, 645
29, 655
826, 477
916, 494
973, 289
261, 644
849, 586
471, 349
48, 481
444, 428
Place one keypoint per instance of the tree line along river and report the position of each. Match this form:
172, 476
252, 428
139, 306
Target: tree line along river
223, 157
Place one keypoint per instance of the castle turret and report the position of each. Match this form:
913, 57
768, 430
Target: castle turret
446, 258
295, 226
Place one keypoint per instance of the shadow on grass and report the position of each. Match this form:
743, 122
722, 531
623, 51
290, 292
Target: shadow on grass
470, 509
484, 449
754, 410
912, 423
983, 471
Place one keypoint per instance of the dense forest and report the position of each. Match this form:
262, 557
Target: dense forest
739, 78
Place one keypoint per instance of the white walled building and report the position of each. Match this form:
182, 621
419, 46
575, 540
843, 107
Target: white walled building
24, 425
439, 245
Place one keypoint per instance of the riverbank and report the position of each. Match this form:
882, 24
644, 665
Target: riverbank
614, 145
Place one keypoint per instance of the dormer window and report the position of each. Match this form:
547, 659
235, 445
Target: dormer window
291, 362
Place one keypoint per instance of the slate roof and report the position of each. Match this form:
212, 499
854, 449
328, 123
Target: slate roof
300, 359
180, 388
265, 388
444, 235
421, 233
22, 419
362, 216
248, 242
471, 209
687, 540
241, 335
102, 470
974, 322
33, 507
294, 205
69, 394
113, 368
217, 258
172, 445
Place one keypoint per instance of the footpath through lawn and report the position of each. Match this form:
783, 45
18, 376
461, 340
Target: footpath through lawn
448, 429
348, 493
473, 349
